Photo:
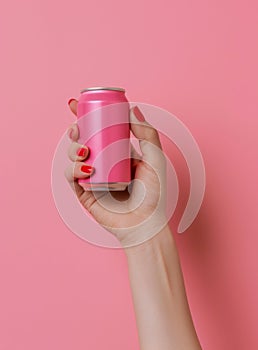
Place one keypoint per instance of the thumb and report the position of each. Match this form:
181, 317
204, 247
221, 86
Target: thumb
147, 135
141, 129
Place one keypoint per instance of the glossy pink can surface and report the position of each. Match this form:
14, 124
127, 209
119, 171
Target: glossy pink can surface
103, 121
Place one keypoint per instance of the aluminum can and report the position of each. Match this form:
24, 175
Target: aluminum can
103, 122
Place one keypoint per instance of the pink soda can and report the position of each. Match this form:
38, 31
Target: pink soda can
103, 122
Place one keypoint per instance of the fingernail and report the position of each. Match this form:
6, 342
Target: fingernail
69, 101
86, 169
138, 114
70, 133
82, 152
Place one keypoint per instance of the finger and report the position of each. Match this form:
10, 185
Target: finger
148, 138
78, 152
73, 132
88, 199
78, 170
72, 103
141, 129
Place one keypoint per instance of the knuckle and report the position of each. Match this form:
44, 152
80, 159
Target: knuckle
72, 151
152, 133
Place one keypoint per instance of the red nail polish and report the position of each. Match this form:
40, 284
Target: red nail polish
138, 114
69, 101
86, 169
81, 152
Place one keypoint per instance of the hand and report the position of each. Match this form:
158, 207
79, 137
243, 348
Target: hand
138, 213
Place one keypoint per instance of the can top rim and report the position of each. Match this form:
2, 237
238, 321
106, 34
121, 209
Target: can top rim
102, 88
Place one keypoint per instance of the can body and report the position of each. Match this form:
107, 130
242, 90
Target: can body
103, 122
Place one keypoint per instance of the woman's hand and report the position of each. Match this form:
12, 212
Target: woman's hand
162, 313
138, 213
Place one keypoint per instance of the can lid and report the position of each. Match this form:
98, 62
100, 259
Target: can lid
103, 88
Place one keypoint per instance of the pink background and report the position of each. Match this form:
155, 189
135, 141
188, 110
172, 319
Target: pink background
197, 59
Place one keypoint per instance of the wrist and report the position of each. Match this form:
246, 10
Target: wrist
153, 246
140, 234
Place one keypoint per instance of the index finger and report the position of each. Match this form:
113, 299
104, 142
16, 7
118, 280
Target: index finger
73, 131
72, 103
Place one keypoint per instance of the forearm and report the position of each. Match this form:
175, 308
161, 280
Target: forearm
161, 308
